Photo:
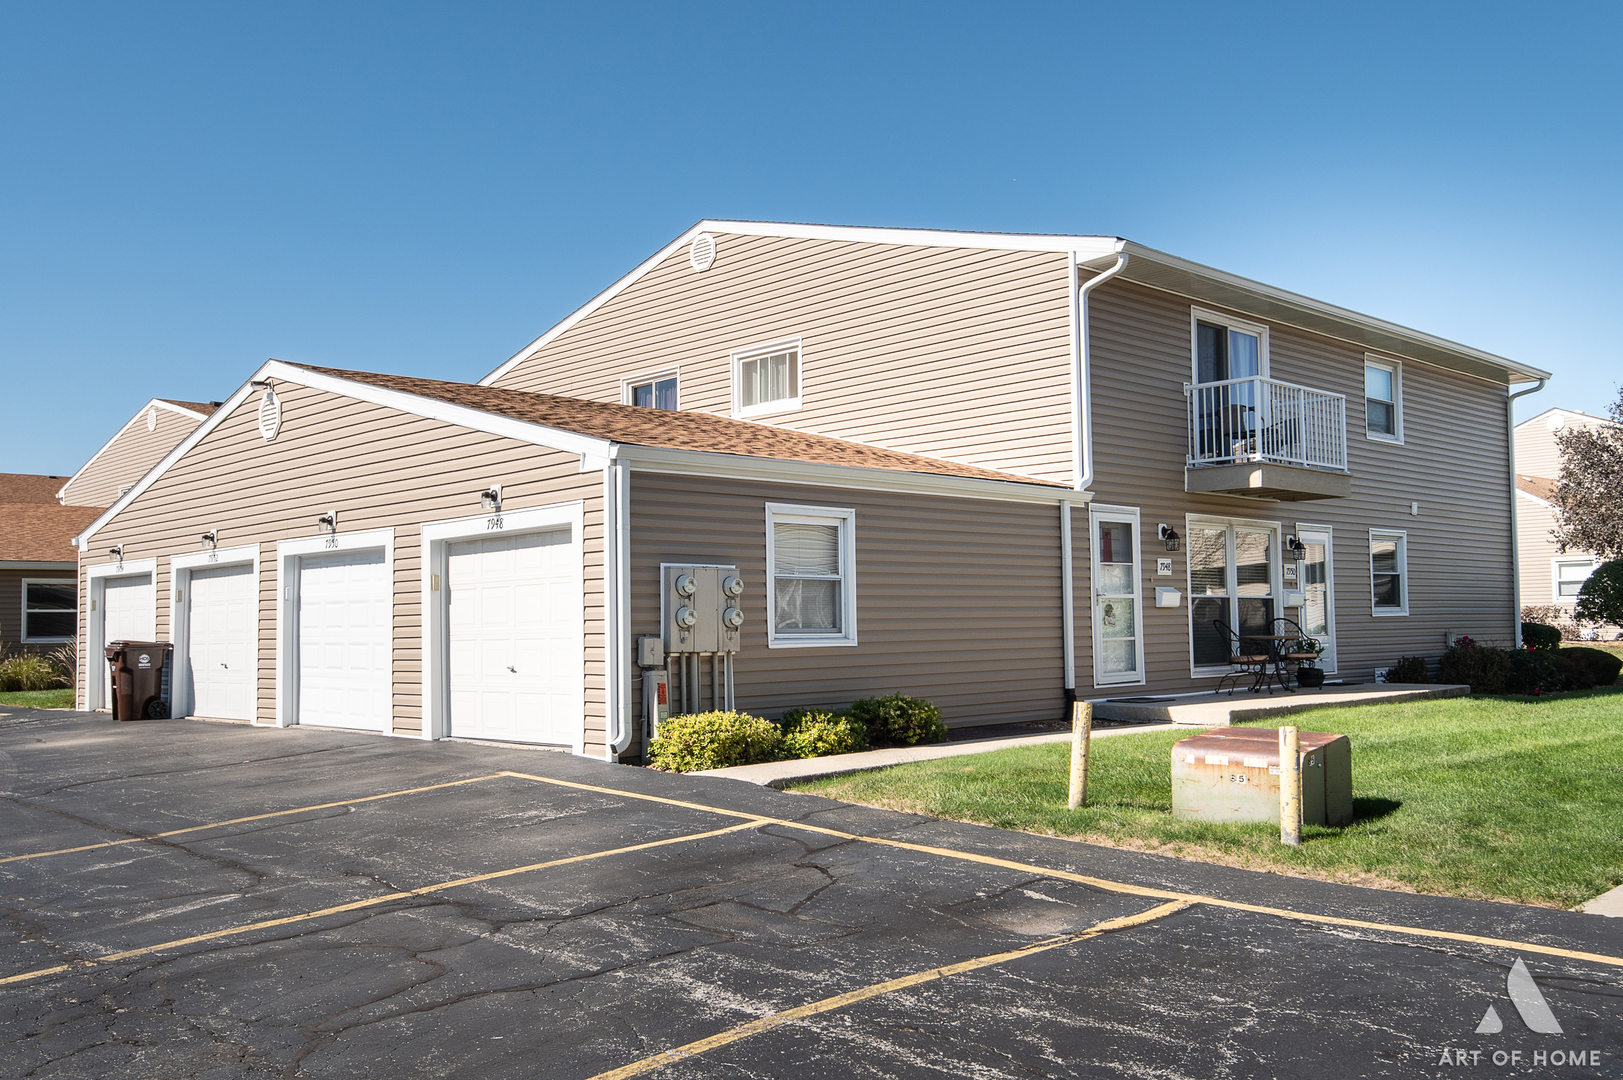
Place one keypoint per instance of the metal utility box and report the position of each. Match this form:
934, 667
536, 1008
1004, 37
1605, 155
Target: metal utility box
1232, 774
702, 612
140, 672
656, 699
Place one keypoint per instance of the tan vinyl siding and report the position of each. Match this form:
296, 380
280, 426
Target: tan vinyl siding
1536, 549
1453, 463
380, 469
951, 352
957, 600
1537, 453
127, 457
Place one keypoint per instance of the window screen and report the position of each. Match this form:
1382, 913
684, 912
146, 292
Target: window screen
807, 577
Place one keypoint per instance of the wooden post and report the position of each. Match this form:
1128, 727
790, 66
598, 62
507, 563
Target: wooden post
1290, 787
1081, 737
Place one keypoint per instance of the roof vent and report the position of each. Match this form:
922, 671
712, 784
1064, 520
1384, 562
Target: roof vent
152, 418
702, 252
270, 416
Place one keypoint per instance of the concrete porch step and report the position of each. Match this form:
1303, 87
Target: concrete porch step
1218, 710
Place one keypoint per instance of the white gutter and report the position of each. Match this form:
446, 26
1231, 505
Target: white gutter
1515, 536
1081, 353
618, 728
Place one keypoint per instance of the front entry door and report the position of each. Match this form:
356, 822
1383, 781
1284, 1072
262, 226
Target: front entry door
1232, 590
1118, 635
1318, 613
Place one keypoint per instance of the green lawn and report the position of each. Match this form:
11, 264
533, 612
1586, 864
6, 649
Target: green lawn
39, 699
1492, 797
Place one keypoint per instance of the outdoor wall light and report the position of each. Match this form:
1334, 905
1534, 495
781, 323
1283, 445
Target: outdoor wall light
328, 522
117, 553
212, 539
491, 499
1170, 535
1298, 550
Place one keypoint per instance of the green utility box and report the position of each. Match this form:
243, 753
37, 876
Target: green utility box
1232, 774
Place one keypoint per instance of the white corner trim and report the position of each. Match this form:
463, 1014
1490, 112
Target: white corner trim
140, 414
288, 553
436, 536
816, 515
180, 630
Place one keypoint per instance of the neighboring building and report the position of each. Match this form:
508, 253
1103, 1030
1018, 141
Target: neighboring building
38, 598
1548, 577
140, 444
891, 437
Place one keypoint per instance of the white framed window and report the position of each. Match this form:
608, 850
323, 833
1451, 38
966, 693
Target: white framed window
1389, 571
766, 379
655, 391
50, 609
1223, 347
811, 586
1567, 577
1383, 399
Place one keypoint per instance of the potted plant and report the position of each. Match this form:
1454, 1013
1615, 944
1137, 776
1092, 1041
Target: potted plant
1305, 651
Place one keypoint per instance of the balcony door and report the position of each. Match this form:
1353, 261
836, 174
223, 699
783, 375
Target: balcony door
1118, 631
1225, 409
1317, 584
1233, 587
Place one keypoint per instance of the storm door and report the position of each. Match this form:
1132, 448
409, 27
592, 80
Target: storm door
1233, 576
1118, 635
1317, 615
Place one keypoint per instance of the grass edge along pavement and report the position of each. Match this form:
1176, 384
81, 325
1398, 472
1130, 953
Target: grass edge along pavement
1498, 798
38, 699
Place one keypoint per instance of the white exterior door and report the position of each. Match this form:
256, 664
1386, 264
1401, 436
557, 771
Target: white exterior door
221, 646
1118, 631
345, 640
129, 613
1316, 580
514, 624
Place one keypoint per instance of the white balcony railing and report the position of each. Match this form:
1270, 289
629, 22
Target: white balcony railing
1257, 419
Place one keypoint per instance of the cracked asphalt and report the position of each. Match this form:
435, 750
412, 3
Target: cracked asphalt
327, 942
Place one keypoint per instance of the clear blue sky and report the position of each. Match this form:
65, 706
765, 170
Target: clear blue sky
187, 189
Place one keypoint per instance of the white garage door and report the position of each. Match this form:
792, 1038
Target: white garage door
515, 631
222, 652
345, 640
129, 613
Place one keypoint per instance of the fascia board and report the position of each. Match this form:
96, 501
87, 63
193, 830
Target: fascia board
569, 442
1530, 497
1085, 247
462, 415
1378, 334
32, 564
772, 470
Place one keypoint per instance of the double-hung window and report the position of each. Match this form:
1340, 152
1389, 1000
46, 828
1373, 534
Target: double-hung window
653, 392
1389, 571
1570, 575
811, 576
766, 379
50, 611
1383, 399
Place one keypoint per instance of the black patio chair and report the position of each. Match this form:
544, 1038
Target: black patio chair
1288, 659
1245, 662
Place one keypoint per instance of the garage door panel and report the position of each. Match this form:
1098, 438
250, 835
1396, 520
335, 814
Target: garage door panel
129, 613
222, 627
514, 626
345, 640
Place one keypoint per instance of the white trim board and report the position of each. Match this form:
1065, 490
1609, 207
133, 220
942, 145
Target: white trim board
436, 537
96, 575
155, 403
287, 613
180, 582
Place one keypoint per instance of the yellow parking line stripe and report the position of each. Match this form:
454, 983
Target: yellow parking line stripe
256, 817
840, 1001
1114, 886
357, 905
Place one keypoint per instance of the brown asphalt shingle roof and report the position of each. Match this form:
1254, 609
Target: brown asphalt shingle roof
30, 488
203, 408
672, 430
1537, 486
39, 532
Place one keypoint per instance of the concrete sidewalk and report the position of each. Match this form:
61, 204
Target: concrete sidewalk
777, 774
1219, 710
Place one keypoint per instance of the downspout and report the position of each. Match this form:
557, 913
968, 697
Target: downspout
616, 605
1081, 451
1515, 536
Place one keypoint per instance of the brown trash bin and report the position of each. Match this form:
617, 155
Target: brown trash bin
140, 672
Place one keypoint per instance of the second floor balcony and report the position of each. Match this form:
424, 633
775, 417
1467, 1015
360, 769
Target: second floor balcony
1266, 439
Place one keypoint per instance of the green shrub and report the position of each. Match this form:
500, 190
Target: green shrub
714, 740
811, 733
1600, 597
1483, 669
1539, 636
899, 720
1410, 669
1533, 671
27, 671
1604, 666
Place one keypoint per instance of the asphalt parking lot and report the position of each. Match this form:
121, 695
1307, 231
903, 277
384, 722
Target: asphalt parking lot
184, 899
